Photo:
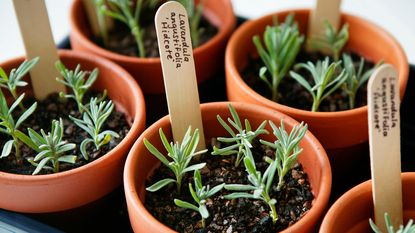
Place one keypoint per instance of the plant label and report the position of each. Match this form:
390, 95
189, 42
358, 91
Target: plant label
384, 140
37, 37
176, 54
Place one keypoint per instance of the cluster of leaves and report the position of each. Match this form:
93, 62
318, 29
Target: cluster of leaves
200, 195
355, 79
240, 141
287, 151
282, 44
50, 147
409, 228
75, 79
260, 185
129, 13
332, 41
326, 79
181, 155
286, 148
92, 122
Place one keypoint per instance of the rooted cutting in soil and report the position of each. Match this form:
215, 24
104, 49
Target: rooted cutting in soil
239, 215
54, 107
292, 94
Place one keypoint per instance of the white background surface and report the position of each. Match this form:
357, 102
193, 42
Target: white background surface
396, 16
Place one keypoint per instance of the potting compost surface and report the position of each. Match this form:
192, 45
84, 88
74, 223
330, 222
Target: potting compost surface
55, 108
292, 94
238, 215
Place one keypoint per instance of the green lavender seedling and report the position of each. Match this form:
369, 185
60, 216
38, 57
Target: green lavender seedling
332, 41
200, 195
286, 148
241, 140
181, 155
326, 79
128, 12
194, 14
102, 24
15, 77
92, 122
260, 185
282, 44
355, 79
51, 148
409, 228
10, 127
75, 79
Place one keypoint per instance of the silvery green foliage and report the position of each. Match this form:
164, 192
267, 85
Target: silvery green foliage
286, 148
181, 155
259, 187
282, 44
332, 41
409, 228
241, 140
10, 127
14, 79
355, 78
200, 194
51, 148
92, 122
75, 79
128, 12
326, 79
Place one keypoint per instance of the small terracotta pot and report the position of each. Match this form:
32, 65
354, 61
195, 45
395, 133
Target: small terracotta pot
333, 129
351, 212
147, 71
74, 188
140, 164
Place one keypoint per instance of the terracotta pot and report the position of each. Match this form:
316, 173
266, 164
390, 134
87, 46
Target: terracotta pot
140, 164
351, 212
333, 129
79, 186
147, 71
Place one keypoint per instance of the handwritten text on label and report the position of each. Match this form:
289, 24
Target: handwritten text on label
385, 106
175, 45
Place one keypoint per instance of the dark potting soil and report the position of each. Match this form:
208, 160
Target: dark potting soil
121, 41
54, 107
238, 215
292, 94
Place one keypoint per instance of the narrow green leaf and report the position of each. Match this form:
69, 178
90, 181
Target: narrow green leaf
7, 149
160, 184
185, 205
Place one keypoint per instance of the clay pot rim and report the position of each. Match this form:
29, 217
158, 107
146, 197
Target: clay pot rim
235, 75
226, 29
349, 196
139, 117
319, 203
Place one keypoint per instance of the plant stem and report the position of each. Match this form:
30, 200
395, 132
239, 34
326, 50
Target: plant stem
275, 84
316, 104
135, 30
203, 223
274, 214
352, 97
179, 184
239, 156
